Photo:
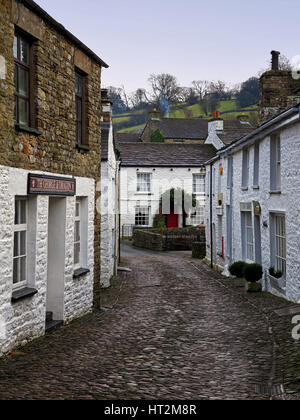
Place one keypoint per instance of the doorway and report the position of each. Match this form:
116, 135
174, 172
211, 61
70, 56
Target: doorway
56, 261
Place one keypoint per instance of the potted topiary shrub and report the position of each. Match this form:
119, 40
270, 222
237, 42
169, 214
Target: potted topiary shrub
253, 274
237, 270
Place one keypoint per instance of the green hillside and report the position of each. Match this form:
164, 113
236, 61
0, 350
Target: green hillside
135, 121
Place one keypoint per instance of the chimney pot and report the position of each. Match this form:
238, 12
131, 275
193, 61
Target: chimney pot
275, 60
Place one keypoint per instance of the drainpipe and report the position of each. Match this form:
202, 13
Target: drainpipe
211, 216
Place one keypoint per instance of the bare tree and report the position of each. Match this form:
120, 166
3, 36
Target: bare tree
201, 88
164, 85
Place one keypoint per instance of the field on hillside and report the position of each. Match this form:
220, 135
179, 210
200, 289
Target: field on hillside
135, 121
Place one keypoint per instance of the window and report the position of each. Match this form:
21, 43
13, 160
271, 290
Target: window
256, 166
77, 235
22, 51
229, 171
20, 244
247, 236
279, 243
142, 216
245, 171
197, 218
144, 183
198, 184
275, 163
81, 111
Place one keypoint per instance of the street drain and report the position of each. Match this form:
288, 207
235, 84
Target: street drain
271, 391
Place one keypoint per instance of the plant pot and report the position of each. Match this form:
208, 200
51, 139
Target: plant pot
254, 287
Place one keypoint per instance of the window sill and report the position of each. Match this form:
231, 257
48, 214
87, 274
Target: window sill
245, 188
80, 273
143, 193
83, 147
29, 130
275, 192
22, 294
255, 187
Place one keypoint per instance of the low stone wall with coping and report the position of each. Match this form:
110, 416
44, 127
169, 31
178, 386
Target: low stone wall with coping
168, 239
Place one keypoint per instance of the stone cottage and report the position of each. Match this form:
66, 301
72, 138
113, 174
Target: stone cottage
253, 196
50, 120
110, 174
176, 130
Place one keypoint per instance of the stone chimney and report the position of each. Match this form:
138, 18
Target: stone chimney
154, 115
106, 107
278, 90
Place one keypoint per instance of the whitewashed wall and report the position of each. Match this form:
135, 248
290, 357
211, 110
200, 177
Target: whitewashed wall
163, 179
109, 214
287, 202
22, 321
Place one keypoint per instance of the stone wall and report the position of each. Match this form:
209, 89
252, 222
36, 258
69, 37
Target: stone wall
52, 148
168, 239
277, 92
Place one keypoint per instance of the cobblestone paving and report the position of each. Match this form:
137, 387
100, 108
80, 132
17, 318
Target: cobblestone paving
168, 330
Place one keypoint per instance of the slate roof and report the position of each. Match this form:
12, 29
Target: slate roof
127, 138
181, 128
234, 130
165, 155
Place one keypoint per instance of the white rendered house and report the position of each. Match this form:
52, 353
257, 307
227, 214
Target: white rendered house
148, 170
110, 166
253, 203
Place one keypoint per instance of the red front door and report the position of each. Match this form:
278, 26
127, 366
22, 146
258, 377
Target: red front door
173, 221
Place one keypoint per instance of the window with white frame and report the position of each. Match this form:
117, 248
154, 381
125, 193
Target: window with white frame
144, 183
142, 216
279, 243
275, 164
77, 234
247, 236
198, 184
245, 169
20, 243
197, 218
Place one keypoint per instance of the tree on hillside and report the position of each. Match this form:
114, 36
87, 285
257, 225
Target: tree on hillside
249, 93
164, 85
115, 94
200, 88
139, 100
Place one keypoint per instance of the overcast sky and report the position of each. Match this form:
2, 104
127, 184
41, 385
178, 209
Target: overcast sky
191, 39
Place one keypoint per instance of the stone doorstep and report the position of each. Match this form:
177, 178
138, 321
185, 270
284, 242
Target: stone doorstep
289, 310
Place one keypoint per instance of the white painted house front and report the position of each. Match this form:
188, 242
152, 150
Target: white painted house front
110, 166
149, 170
46, 254
253, 203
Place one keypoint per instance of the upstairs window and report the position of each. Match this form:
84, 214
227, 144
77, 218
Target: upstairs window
22, 52
144, 183
198, 184
81, 108
275, 164
20, 244
229, 171
256, 165
245, 170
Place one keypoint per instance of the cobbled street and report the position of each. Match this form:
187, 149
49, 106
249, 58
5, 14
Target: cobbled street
171, 329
